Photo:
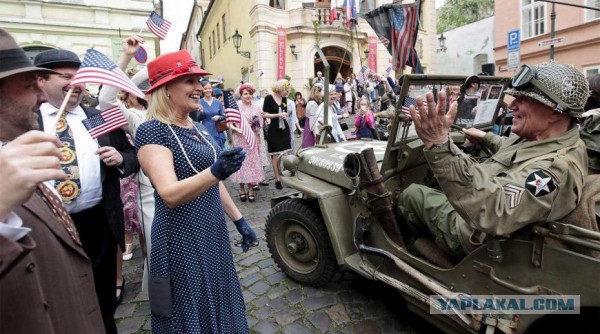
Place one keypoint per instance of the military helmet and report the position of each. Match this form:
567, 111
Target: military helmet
559, 86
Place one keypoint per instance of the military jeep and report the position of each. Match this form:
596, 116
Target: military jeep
334, 219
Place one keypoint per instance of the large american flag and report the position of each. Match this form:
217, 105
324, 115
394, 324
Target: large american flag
397, 26
106, 121
404, 27
97, 68
158, 25
410, 101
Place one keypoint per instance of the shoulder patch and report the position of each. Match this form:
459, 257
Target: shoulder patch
539, 184
513, 195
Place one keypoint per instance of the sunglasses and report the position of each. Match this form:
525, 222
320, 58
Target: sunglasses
527, 77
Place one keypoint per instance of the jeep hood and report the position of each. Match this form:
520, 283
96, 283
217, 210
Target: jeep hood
326, 161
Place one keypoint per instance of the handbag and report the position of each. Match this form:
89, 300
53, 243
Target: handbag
222, 126
159, 293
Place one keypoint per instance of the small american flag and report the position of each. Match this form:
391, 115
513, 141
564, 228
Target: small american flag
409, 101
106, 121
97, 68
233, 115
158, 25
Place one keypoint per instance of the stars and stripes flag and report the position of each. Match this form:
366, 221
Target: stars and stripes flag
333, 11
409, 101
404, 29
106, 121
97, 68
233, 115
158, 25
350, 11
396, 26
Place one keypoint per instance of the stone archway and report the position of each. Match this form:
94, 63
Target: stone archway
340, 60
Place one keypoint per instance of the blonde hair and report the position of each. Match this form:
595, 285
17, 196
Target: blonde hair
159, 107
316, 94
279, 86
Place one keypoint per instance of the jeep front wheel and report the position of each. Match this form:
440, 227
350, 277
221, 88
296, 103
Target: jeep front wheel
299, 243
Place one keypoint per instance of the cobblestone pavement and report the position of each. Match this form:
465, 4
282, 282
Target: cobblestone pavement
275, 303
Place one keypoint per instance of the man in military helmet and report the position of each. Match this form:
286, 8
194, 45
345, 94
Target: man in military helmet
535, 175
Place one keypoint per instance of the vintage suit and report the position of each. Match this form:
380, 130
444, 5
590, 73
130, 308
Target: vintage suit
101, 227
46, 281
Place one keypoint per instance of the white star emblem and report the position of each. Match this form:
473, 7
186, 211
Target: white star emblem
540, 183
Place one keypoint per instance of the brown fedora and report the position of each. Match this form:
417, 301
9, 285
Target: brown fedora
13, 59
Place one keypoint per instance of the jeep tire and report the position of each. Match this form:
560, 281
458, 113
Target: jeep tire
298, 241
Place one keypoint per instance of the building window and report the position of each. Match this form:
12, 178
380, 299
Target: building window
214, 40
591, 70
279, 4
210, 50
533, 18
218, 37
591, 15
223, 24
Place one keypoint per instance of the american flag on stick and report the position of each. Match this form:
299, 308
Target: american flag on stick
97, 68
410, 101
158, 25
233, 115
106, 121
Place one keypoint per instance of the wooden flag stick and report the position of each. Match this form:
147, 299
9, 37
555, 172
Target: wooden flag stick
141, 30
62, 109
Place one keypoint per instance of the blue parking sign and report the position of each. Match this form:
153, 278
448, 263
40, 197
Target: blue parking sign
514, 40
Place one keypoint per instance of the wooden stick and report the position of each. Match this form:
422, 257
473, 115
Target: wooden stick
62, 109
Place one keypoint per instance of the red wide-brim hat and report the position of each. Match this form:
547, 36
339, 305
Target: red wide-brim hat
171, 66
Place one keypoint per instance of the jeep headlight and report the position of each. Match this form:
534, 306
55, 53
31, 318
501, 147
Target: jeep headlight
290, 163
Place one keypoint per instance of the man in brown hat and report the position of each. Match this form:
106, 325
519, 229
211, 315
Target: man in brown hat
46, 282
92, 191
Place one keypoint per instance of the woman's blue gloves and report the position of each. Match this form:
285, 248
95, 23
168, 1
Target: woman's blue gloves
248, 235
228, 162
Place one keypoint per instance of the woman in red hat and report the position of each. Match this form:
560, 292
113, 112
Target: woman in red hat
193, 286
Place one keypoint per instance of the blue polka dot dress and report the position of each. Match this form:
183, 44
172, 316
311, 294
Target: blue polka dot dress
190, 244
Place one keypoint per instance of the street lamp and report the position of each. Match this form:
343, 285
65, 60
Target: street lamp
442, 43
293, 49
237, 41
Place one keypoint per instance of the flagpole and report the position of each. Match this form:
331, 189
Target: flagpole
62, 109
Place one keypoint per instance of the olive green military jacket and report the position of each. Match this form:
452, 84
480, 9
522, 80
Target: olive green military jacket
522, 183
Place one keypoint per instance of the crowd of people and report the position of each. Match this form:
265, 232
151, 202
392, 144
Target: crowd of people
72, 204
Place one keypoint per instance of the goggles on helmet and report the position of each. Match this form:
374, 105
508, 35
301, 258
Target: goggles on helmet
527, 77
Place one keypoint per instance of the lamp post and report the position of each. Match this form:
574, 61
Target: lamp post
442, 43
237, 41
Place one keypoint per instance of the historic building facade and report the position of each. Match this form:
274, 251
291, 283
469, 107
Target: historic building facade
77, 25
578, 30
280, 36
